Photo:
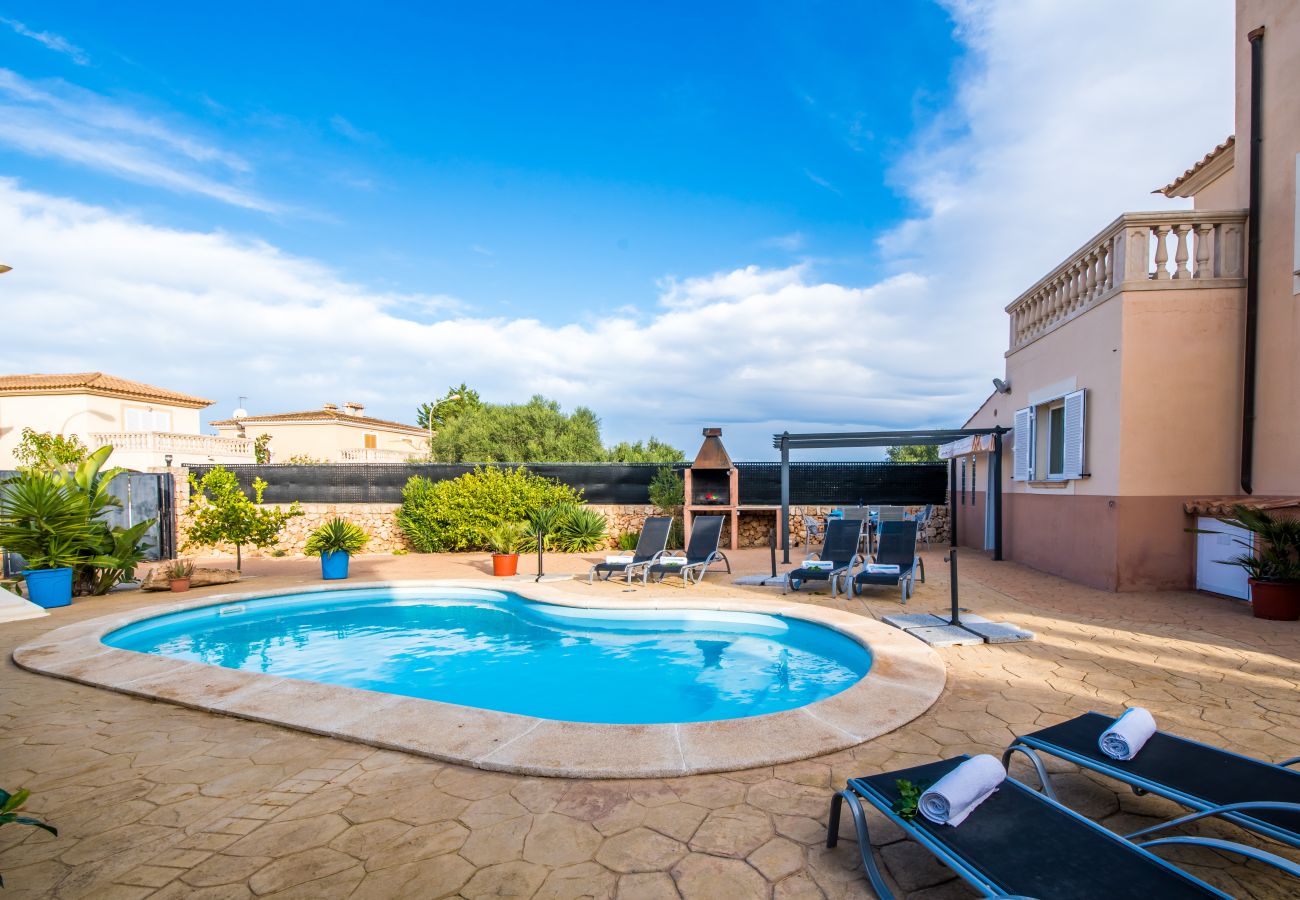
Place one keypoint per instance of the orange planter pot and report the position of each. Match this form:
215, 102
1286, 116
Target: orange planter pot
504, 564
1278, 600
179, 585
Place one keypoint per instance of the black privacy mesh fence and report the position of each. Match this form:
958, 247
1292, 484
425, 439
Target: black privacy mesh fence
610, 483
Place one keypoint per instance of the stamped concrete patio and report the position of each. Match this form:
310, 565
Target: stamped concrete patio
153, 800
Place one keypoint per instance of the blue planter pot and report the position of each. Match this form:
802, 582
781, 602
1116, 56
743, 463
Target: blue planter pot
49, 588
334, 566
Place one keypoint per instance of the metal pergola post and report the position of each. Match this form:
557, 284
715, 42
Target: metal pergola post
997, 495
785, 496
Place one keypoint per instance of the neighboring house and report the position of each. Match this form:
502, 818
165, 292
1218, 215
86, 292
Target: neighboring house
147, 426
331, 435
1126, 371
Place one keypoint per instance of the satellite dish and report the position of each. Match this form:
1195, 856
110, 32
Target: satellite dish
1001, 386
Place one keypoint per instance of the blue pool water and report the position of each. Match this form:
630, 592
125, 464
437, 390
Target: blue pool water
495, 650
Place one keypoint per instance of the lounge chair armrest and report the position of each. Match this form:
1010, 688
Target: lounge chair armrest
1044, 779
1290, 762
1254, 853
1216, 811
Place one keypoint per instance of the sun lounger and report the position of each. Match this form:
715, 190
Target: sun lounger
701, 552
1261, 796
650, 546
896, 546
840, 550
1020, 843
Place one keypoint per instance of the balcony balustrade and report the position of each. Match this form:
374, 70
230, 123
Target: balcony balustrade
1138, 251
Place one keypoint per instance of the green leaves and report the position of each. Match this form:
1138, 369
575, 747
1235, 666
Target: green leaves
582, 529
1275, 554
508, 537
221, 513
456, 514
905, 807
10, 807
337, 535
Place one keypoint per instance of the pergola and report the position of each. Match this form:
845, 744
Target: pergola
785, 442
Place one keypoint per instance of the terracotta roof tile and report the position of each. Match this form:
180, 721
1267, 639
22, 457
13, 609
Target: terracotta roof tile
1204, 161
98, 383
321, 415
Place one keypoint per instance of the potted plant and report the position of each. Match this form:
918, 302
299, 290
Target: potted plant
179, 574
505, 540
11, 813
47, 522
334, 542
1273, 562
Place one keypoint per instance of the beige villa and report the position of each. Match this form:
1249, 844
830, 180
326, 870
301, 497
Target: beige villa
329, 434
148, 426
1155, 374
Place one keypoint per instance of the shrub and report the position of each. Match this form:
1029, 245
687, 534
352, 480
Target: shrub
668, 494
46, 451
549, 520
628, 540
456, 514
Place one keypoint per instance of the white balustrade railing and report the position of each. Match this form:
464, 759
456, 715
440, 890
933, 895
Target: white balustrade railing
1134, 253
372, 454
170, 442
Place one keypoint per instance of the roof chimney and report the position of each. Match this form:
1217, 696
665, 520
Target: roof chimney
353, 409
330, 407
712, 454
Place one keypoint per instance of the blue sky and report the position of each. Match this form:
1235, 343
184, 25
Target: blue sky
753, 215
548, 158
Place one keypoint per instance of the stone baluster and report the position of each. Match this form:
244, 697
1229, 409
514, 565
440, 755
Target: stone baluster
1107, 264
1162, 252
1090, 274
1203, 233
1180, 251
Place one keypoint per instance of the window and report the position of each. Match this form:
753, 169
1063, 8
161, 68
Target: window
141, 418
370, 442
1049, 440
1056, 440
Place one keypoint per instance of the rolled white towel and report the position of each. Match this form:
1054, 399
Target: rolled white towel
954, 796
617, 560
1126, 735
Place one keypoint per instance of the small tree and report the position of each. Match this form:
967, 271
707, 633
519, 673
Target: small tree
47, 452
668, 495
913, 453
653, 450
262, 449
221, 513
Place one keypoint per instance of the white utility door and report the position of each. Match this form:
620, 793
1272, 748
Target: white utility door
1213, 576
989, 500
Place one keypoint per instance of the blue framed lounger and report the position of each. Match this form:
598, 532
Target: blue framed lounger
1020, 843
840, 548
701, 552
1261, 796
650, 544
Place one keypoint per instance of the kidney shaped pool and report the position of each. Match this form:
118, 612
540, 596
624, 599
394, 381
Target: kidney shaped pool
496, 650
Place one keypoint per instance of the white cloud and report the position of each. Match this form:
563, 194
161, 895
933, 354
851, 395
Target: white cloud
1036, 155
352, 132
55, 42
63, 121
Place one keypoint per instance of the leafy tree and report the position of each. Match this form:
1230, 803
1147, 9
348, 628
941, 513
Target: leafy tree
221, 513
46, 451
913, 453
668, 496
653, 450
441, 411
536, 431
262, 449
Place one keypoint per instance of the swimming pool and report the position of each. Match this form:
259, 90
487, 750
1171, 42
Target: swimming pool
498, 651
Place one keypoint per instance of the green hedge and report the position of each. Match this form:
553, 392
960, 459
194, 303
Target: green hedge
456, 514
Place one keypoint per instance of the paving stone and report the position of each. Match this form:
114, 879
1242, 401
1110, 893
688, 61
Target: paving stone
512, 879
296, 868
677, 820
556, 840
647, 886
734, 831
587, 881
420, 842
777, 858
699, 876
497, 843
639, 850
434, 877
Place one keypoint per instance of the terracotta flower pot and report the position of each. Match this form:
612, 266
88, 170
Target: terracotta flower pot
179, 585
505, 563
1278, 600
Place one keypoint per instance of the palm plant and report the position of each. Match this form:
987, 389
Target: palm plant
582, 530
549, 520
506, 538
1275, 553
337, 535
